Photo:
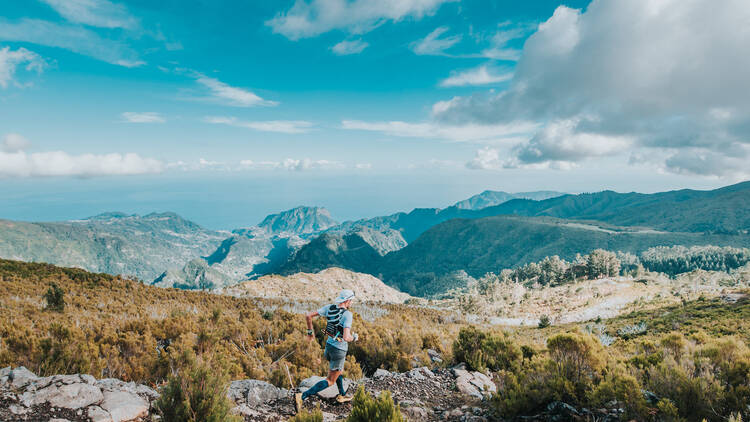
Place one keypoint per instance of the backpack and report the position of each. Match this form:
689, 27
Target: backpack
333, 326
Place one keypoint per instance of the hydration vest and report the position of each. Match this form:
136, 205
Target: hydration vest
334, 327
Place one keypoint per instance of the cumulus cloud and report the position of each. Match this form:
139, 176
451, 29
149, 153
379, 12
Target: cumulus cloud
99, 13
482, 75
13, 143
230, 95
16, 162
702, 162
280, 126
349, 47
433, 130
434, 43
498, 49
636, 70
10, 60
74, 38
309, 18
142, 117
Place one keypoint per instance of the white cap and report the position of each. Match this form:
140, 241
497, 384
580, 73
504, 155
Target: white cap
345, 295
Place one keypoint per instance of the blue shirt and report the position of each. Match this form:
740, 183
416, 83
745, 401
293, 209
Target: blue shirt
346, 322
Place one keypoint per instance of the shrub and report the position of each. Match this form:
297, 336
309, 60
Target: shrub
305, 416
544, 321
366, 408
55, 298
481, 350
197, 394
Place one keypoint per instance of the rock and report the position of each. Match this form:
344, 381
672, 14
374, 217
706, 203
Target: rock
474, 384
329, 393
329, 417
21, 377
246, 411
97, 414
124, 406
58, 420
4, 373
435, 356
254, 392
415, 413
561, 409
69, 396
420, 373
381, 373
17, 410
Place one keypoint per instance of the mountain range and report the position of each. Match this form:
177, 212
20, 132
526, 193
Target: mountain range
413, 251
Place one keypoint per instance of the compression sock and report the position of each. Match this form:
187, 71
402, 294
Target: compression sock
340, 384
320, 386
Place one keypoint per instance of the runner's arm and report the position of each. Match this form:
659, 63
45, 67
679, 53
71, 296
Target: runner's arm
348, 334
309, 317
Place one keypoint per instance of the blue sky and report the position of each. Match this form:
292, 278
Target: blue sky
225, 111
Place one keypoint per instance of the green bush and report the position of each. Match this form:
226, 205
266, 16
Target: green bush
482, 351
55, 298
544, 321
308, 416
366, 408
197, 394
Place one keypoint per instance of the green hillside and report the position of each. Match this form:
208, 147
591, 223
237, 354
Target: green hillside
722, 210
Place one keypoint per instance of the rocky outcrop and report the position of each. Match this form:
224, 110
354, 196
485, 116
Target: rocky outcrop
323, 286
24, 396
473, 383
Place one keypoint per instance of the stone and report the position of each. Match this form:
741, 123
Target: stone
254, 392
97, 414
246, 411
69, 396
420, 374
58, 420
416, 413
474, 384
17, 410
435, 356
21, 377
124, 406
329, 393
329, 417
380, 373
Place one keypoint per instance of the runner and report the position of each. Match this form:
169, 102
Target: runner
338, 331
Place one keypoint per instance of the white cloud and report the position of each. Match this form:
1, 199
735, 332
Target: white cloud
281, 126
293, 164
562, 142
13, 142
59, 163
363, 166
309, 18
142, 117
74, 38
349, 47
99, 13
635, 70
433, 44
482, 75
432, 130
486, 159
231, 95
703, 162
10, 60
498, 49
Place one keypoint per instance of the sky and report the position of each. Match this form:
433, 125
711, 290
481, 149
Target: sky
226, 111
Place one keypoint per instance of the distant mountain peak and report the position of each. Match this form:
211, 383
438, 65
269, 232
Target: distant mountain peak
299, 220
110, 215
490, 198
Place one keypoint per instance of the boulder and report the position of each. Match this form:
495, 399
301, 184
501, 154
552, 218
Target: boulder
329, 393
68, 396
420, 374
381, 373
474, 383
97, 414
254, 392
124, 406
415, 413
21, 377
435, 356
